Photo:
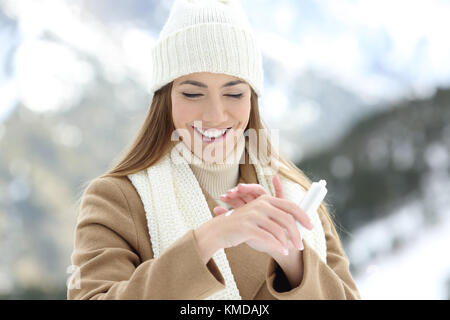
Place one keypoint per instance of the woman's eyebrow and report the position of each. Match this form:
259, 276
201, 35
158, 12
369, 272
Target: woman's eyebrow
202, 85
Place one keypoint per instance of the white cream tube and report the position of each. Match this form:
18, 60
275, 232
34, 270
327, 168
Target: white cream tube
312, 200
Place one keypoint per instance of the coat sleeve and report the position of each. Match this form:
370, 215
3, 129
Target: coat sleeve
108, 263
329, 281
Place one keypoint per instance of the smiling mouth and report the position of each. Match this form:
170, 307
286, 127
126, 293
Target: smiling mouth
211, 139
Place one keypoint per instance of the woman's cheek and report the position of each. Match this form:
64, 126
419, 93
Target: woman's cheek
243, 114
184, 113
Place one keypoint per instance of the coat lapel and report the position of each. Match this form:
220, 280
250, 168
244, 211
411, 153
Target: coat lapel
247, 264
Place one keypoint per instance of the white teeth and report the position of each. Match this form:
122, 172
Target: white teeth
211, 133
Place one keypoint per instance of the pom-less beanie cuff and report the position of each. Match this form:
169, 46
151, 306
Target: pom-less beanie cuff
208, 47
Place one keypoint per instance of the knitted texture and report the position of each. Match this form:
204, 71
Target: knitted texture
174, 204
206, 36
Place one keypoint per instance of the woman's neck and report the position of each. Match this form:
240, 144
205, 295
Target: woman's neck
216, 178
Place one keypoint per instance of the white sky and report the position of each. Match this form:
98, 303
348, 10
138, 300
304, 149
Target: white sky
376, 48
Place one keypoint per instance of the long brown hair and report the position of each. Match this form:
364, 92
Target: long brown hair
153, 141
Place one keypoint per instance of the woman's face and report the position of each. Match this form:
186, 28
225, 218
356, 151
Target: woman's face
211, 102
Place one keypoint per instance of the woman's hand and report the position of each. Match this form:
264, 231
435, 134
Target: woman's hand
261, 220
240, 195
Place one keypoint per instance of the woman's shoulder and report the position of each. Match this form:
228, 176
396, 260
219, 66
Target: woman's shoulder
109, 184
117, 189
112, 205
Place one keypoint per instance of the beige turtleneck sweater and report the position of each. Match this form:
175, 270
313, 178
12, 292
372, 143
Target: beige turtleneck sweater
216, 178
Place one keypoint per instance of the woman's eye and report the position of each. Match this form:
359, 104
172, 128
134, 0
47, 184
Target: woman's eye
237, 96
193, 95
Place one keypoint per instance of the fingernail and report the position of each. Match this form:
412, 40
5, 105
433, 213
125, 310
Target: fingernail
285, 251
301, 246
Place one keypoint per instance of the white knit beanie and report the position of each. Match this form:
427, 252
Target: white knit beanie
206, 36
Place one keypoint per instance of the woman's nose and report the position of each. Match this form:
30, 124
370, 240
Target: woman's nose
215, 113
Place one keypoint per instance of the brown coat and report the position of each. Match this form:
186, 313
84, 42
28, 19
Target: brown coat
114, 255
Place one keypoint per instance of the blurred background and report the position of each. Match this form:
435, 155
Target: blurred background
358, 89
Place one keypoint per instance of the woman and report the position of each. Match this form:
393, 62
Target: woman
159, 225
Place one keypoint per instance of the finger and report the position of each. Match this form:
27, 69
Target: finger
232, 193
275, 229
235, 196
290, 242
290, 207
235, 203
248, 194
219, 210
246, 197
245, 193
269, 239
287, 221
292, 246
278, 187
252, 188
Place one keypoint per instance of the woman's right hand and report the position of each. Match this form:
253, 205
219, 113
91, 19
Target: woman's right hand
261, 223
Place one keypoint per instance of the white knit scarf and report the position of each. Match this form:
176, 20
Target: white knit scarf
174, 203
